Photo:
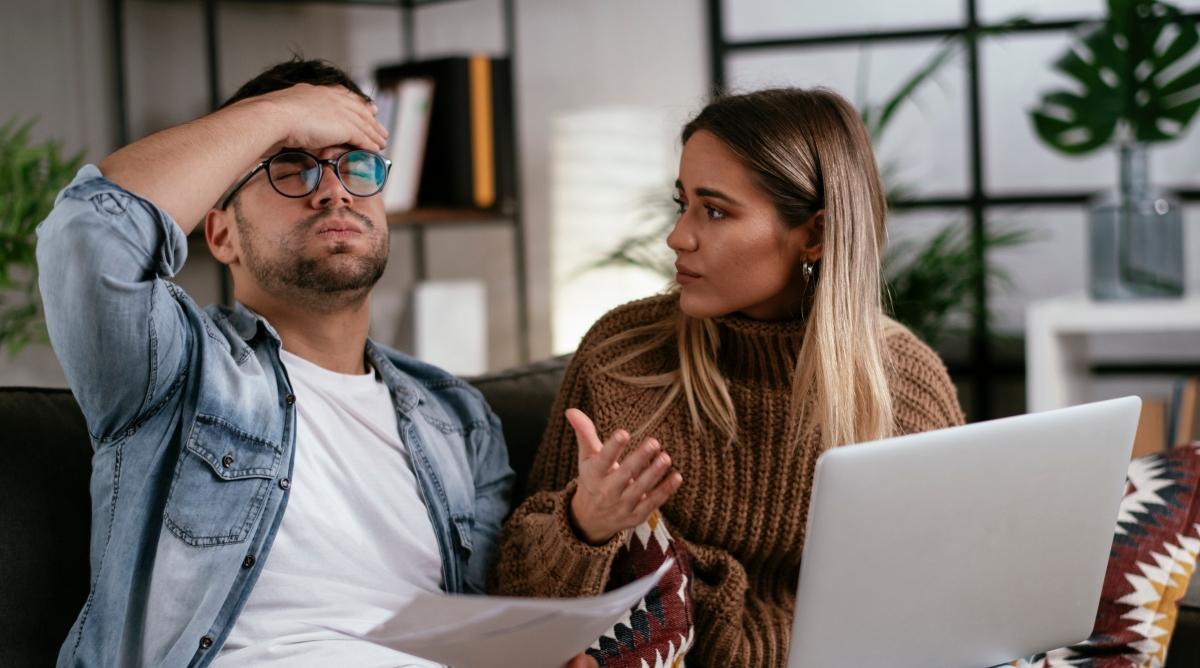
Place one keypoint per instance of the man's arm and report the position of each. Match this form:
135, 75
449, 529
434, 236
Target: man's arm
184, 169
118, 330
493, 493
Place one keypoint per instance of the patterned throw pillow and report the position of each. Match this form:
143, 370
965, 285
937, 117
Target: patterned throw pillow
1153, 557
658, 631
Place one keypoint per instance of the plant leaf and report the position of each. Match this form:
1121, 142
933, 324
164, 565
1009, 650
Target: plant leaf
1120, 70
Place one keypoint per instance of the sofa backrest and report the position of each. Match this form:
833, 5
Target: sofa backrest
45, 507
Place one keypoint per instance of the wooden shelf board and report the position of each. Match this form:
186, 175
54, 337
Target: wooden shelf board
446, 217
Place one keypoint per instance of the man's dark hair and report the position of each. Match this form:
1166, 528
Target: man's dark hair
292, 72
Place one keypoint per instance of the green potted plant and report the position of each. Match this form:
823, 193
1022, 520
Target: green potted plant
30, 177
1134, 85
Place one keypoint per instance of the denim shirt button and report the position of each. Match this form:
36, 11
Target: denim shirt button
227, 461
248, 562
206, 642
285, 483
290, 399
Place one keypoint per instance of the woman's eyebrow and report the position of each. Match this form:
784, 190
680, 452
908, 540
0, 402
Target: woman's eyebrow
711, 193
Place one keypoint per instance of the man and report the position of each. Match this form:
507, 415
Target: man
208, 424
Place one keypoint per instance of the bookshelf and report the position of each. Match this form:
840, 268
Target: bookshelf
418, 222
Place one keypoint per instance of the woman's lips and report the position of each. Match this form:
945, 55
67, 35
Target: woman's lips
683, 275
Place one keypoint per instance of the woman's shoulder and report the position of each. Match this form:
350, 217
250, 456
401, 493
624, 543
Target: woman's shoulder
630, 316
907, 352
633, 326
923, 395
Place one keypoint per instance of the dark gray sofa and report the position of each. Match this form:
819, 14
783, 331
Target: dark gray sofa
45, 510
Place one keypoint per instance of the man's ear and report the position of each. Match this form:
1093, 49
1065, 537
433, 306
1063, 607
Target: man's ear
219, 234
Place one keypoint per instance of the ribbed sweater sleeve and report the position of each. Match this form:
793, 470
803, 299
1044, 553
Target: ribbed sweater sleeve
540, 554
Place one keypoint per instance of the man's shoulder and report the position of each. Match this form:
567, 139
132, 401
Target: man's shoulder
452, 393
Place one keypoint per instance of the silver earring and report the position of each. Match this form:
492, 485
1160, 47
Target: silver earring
808, 269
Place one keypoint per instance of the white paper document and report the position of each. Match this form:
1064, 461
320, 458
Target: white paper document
494, 631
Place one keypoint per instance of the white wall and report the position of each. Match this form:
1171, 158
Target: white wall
49, 69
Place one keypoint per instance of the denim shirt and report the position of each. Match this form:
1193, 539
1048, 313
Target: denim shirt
192, 422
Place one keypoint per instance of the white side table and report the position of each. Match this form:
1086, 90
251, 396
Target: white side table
1056, 345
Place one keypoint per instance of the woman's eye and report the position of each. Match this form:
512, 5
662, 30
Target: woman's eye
679, 205
714, 213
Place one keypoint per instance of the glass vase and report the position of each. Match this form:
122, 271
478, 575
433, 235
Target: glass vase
1135, 236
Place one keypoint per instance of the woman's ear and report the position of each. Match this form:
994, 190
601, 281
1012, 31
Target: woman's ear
814, 229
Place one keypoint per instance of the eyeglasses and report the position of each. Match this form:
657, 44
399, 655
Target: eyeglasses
294, 173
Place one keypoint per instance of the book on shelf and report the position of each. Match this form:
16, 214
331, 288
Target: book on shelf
1151, 430
468, 151
404, 109
1183, 421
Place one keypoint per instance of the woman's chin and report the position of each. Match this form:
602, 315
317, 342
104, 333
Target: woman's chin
700, 307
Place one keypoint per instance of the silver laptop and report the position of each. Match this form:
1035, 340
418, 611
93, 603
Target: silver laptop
963, 547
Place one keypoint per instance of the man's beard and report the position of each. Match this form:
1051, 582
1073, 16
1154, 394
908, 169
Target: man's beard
321, 281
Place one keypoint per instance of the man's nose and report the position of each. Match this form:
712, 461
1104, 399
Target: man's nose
330, 192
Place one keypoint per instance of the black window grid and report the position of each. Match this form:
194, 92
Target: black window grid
979, 369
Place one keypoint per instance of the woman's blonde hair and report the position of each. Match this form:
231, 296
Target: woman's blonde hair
809, 151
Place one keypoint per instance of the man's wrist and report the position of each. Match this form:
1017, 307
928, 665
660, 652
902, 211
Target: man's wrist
266, 116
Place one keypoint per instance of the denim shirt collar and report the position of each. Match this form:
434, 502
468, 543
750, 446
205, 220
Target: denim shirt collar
250, 326
405, 393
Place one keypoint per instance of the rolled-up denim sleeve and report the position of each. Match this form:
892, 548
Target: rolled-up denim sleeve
116, 326
493, 489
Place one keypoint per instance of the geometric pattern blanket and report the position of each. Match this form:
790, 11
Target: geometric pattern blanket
658, 631
1153, 557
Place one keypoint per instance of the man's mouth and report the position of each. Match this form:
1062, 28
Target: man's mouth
338, 229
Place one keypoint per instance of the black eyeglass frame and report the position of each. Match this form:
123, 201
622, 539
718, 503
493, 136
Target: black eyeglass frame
335, 163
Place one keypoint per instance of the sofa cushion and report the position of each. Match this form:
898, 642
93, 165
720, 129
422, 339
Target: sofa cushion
1153, 557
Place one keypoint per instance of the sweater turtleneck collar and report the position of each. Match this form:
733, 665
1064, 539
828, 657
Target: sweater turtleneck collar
759, 351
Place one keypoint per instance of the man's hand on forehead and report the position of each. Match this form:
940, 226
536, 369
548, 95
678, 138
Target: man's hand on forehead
325, 116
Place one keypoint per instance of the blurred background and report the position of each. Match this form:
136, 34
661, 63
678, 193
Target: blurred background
991, 223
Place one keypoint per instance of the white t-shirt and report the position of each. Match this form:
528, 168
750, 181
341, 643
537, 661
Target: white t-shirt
355, 542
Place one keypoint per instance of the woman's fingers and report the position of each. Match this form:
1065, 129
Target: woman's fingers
582, 661
632, 466
657, 496
648, 479
585, 434
601, 455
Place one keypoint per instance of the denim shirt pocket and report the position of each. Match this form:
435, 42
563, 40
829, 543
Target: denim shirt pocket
221, 483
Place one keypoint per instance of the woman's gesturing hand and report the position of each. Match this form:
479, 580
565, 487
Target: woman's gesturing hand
613, 495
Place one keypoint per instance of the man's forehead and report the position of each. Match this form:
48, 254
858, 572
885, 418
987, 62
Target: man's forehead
324, 152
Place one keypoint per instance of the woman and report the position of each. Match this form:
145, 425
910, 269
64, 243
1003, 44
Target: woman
772, 348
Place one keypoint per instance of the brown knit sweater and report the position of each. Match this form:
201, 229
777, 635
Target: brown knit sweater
742, 507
